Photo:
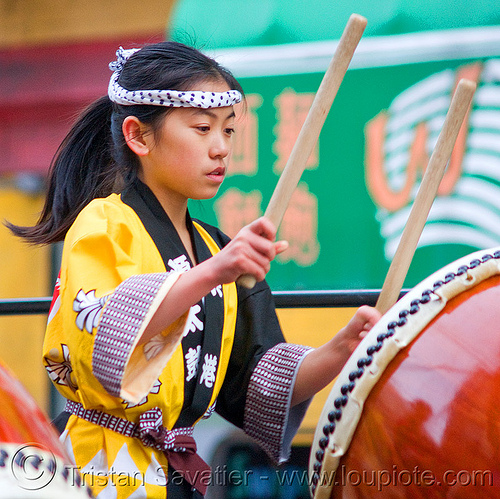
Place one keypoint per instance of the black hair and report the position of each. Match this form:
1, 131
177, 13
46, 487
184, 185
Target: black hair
94, 160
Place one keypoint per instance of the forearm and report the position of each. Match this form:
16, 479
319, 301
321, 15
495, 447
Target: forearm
188, 290
250, 252
325, 363
318, 369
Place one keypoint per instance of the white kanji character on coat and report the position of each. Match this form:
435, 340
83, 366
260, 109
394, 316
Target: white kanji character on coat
192, 358
209, 367
179, 264
193, 322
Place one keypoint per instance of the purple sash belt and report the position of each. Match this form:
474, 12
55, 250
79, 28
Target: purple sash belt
178, 444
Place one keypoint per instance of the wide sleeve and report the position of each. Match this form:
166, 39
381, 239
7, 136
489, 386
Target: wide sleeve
107, 296
256, 395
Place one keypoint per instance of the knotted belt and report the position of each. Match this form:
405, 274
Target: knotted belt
178, 444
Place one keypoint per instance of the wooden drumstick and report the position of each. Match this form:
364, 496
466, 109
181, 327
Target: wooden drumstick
311, 128
425, 196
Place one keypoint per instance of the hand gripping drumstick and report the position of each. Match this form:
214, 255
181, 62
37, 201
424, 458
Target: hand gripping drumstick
425, 196
311, 128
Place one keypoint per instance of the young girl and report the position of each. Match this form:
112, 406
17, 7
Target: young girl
148, 332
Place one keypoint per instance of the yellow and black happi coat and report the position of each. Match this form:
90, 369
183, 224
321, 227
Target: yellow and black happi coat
134, 404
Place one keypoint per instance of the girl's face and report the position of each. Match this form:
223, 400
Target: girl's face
190, 154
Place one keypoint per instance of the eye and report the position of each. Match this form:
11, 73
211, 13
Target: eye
229, 130
203, 128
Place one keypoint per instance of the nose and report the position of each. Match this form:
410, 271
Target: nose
221, 146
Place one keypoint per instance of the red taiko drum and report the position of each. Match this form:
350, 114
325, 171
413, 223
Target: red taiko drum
415, 413
33, 462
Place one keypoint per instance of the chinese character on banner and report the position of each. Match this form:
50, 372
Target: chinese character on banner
245, 144
300, 228
291, 111
235, 209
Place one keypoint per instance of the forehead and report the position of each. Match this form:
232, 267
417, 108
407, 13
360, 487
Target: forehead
193, 113
218, 85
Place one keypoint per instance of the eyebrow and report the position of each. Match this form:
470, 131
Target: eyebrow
207, 112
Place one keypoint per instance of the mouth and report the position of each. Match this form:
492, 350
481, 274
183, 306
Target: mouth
217, 174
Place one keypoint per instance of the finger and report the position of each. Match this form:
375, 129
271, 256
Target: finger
256, 270
262, 245
257, 254
364, 319
259, 260
281, 246
263, 227
369, 314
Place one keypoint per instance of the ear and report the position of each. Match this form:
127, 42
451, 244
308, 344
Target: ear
134, 132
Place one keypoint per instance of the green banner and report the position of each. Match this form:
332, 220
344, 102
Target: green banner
345, 218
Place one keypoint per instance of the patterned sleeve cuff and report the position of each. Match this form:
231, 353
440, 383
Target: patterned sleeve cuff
124, 370
268, 416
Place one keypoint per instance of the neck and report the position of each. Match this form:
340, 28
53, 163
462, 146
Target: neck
175, 205
175, 209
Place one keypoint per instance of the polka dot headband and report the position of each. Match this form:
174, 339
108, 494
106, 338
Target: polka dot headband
168, 98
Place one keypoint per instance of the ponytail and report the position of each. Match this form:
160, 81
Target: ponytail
83, 168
